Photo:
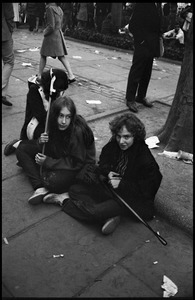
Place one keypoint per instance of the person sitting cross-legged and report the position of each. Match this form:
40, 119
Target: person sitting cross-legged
69, 145
127, 166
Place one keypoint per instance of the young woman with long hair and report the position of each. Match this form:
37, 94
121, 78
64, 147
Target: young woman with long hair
69, 146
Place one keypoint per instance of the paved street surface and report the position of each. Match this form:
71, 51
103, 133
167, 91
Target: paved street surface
131, 262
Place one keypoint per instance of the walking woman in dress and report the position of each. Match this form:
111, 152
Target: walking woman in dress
54, 43
69, 146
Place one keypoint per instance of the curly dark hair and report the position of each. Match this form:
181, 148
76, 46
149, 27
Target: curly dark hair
131, 122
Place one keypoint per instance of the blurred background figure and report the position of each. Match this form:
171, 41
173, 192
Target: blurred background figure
7, 52
186, 15
31, 14
102, 10
90, 11
82, 16
175, 35
108, 26
16, 14
40, 16
67, 8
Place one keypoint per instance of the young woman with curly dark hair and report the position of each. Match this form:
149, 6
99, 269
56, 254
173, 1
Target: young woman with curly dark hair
126, 165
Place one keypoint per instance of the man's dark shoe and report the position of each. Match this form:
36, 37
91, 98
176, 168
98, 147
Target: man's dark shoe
144, 101
9, 149
5, 101
132, 106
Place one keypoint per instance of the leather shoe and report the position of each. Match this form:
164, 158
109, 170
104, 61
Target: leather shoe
9, 149
144, 101
5, 101
71, 80
132, 106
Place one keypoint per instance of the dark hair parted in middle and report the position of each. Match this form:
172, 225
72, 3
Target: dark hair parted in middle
131, 122
77, 121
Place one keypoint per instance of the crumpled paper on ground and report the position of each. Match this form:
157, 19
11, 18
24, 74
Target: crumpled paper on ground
176, 155
169, 154
169, 287
152, 141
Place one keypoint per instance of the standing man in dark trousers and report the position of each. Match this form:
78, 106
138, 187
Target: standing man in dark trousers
145, 25
7, 53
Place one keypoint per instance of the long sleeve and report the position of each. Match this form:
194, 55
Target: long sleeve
35, 104
77, 156
50, 21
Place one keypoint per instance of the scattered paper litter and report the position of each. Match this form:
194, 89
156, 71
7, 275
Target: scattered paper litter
97, 52
26, 64
58, 255
93, 101
34, 49
77, 57
5, 241
169, 154
169, 287
152, 141
155, 262
147, 241
21, 50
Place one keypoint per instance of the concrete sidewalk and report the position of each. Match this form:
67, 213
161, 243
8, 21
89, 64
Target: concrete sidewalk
93, 265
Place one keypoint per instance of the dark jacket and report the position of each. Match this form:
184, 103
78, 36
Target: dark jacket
34, 108
7, 21
145, 25
141, 179
70, 152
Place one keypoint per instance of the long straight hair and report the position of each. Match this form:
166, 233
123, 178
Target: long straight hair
77, 121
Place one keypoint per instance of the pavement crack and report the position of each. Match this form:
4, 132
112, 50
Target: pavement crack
26, 229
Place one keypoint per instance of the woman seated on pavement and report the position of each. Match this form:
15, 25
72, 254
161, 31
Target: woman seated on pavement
37, 106
125, 165
69, 146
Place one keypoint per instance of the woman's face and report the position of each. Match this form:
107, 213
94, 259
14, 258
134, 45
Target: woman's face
64, 119
124, 138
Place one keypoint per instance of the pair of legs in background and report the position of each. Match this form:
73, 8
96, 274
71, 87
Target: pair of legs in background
63, 60
139, 77
7, 67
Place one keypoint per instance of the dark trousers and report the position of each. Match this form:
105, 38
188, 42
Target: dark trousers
92, 204
140, 73
56, 181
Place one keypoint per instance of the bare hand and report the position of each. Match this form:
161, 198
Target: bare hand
44, 138
113, 175
114, 179
40, 158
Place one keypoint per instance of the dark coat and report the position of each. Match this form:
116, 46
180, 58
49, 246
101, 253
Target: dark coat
53, 43
145, 25
34, 108
142, 176
138, 186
